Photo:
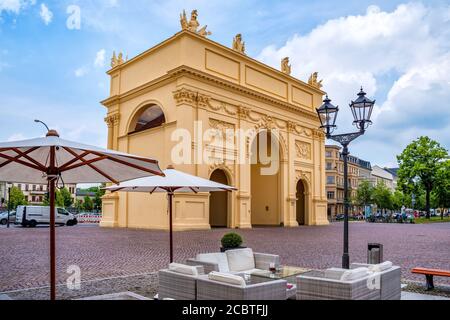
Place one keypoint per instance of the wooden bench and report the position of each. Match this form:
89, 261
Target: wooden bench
429, 273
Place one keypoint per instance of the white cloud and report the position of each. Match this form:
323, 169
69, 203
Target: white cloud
16, 137
15, 6
46, 14
410, 45
100, 58
81, 72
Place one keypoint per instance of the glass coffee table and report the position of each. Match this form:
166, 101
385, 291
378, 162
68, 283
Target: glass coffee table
287, 273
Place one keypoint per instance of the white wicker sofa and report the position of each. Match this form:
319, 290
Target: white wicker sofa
360, 282
234, 261
226, 286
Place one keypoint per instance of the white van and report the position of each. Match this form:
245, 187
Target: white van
33, 215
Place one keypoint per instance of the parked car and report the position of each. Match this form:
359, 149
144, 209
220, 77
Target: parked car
4, 217
31, 216
339, 217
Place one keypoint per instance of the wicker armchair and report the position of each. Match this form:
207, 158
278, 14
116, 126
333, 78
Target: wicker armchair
315, 285
388, 281
208, 289
178, 286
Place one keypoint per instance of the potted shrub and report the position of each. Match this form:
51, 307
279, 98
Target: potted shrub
231, 240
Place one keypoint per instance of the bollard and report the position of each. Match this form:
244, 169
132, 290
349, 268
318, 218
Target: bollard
374, 253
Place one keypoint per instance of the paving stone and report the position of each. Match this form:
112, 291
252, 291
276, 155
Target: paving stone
104, 252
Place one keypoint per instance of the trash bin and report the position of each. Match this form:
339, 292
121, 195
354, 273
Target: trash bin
374, 253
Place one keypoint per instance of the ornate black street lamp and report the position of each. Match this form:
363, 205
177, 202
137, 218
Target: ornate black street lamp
362, 110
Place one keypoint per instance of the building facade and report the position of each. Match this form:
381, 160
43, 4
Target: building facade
188, 87
358, 170
380, 175
34, 193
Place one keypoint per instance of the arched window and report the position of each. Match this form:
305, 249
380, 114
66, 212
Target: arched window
150, 117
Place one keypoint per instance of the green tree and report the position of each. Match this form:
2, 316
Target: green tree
364, 193
79, 204
67, 197
442, 191
398, 200
59, 199
16, 198
98, 197
382, 196
88, 205
419, 164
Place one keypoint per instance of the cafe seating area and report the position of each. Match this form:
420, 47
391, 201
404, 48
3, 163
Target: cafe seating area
242, 274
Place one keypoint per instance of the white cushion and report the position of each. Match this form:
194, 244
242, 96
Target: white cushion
227, 278
182, 268
334, 273
240, 259
217, 257
354, 274
380, 267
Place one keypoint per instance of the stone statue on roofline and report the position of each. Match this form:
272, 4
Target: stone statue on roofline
285, 66
117, 60
313, 80
193, 24
238, 44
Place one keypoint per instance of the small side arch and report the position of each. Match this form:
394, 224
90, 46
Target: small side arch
148, 114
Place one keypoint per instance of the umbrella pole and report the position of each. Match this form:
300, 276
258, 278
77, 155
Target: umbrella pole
170, 226
52, 227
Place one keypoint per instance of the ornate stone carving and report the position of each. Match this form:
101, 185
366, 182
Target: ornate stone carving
303, 150
291, 126
285, 66
238, 44
193, 24
112, 120
303, 131
243, 112
319, 135
313, 80
190, 97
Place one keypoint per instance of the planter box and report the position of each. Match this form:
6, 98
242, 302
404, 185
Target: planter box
222, 249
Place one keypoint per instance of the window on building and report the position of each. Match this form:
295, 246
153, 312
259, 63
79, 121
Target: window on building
330, 194
329, 166
150, 117
330, 180
328, 154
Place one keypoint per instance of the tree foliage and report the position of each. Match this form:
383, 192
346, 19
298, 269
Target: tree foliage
88, 204
66, 197
16, 198
382, 196
364, 193
419, 167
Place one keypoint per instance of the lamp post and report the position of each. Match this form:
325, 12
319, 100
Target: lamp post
362, 110
9, 201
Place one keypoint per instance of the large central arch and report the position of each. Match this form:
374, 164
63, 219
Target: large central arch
266, 208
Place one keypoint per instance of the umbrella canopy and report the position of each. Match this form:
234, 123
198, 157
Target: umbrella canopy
51, 159
173, 181
74, 162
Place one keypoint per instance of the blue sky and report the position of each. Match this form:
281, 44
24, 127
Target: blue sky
399, 51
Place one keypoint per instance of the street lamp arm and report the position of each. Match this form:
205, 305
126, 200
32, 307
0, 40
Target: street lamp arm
345, 138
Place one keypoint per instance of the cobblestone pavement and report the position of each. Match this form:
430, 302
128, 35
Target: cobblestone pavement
105, 253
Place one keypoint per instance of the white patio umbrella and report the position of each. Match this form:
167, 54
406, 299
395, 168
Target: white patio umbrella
173, 181
51, 160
